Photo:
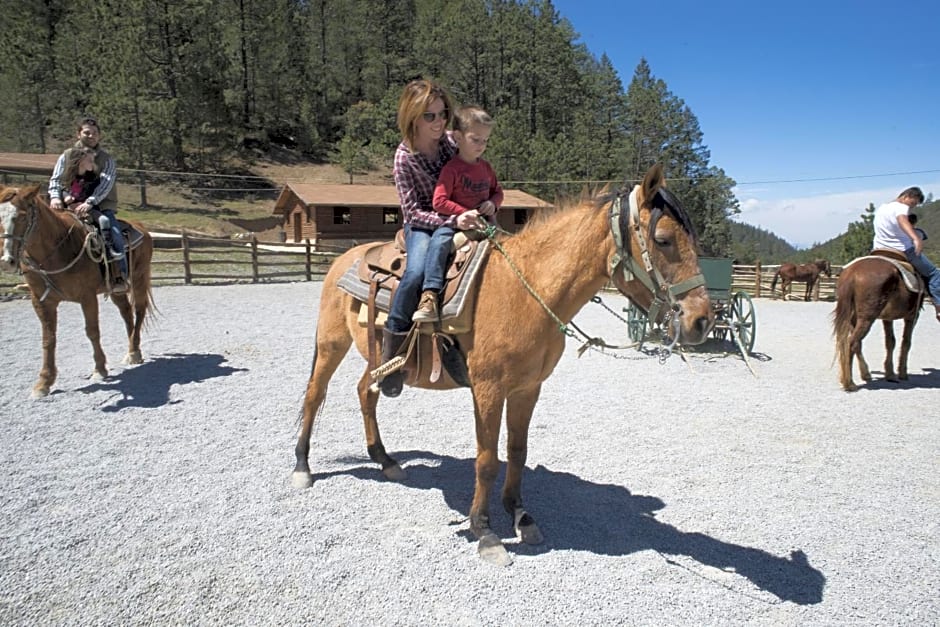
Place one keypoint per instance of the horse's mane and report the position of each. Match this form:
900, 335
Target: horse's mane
588, 199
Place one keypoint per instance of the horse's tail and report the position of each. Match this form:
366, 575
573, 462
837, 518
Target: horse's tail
843, 317
773, 283
140, 261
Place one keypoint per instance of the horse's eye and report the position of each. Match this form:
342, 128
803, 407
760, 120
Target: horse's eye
662, 241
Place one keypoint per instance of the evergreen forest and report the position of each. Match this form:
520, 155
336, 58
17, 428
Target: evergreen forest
202, 86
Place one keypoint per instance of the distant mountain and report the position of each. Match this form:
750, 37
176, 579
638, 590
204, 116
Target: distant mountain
751, 244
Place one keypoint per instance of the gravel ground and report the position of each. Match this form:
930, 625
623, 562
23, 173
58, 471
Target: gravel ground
686, 492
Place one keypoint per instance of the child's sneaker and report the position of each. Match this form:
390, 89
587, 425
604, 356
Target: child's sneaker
427, 307
119, 286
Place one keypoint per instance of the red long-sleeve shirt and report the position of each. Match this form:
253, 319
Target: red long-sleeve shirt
463, 186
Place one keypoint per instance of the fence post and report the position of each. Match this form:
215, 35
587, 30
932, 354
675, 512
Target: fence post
308, 260
187, 272
757, 272
254, 258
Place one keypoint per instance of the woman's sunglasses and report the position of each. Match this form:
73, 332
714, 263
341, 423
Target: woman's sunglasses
430, 116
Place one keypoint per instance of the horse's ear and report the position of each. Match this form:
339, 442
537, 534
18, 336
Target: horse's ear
653, 180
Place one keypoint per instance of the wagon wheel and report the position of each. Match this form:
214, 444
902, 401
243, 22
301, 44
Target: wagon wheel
636, 323
743, 320
720, 330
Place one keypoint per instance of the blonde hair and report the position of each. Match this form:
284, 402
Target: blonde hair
415, 99
465, 117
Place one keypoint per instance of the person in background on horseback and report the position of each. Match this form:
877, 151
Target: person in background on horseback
466, 184
80, 171
101, 204
423, 111
893, 230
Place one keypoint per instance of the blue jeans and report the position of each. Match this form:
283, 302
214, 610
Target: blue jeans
427, 263
116, 237
929, 272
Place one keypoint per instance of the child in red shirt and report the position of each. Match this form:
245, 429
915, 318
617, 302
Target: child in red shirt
467, 183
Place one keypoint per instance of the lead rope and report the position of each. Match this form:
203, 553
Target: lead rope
589, 342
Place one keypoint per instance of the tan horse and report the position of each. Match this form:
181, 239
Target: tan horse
565, 257
869, 289
60, 261
805, 272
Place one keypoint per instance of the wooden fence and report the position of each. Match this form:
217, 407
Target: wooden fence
194, 260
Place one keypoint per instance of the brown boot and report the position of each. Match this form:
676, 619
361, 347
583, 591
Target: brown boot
391, 385
427, 307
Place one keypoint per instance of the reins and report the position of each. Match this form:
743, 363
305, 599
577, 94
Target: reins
91, 246
663, 292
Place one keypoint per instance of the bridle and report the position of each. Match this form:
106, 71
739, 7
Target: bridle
19, 241
622, 222
90, 247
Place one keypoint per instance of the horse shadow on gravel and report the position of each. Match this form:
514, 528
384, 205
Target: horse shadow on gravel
148, 385
928, 379
605, 519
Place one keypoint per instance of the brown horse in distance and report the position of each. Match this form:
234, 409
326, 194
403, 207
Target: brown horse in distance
542, 276
808, 272
869, 289
61, 261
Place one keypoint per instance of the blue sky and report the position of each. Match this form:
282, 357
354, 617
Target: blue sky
816, 109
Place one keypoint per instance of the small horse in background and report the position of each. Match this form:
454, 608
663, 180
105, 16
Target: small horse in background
869, 289
808, 272
62, 261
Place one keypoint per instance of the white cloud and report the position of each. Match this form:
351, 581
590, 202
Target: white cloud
806, 220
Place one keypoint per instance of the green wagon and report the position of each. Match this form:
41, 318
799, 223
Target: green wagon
734, 313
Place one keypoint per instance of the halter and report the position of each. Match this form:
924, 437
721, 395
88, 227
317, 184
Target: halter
19, 241
620, 222
89, 248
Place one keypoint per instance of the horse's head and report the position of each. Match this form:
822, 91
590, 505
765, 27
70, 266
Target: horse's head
656, 263
824, 266
17, 220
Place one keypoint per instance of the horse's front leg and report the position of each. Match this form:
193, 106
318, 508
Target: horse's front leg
93, 332
519, 409
48, 314
487, 404
890, 343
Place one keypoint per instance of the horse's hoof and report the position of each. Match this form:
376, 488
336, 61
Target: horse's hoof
39, 392
133, 358
394, 473
301, 480
491, 550
850, 387
526, 529
99, 375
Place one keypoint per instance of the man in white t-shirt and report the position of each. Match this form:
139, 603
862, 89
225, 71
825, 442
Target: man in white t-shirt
893, 230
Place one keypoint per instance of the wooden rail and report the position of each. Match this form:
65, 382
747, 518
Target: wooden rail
756, 281
192, 260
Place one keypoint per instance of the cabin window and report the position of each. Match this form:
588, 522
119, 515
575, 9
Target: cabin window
341, 215
520, 216
390, 216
